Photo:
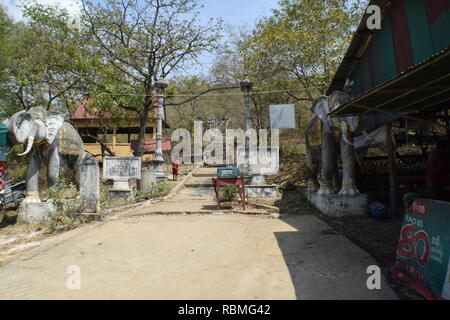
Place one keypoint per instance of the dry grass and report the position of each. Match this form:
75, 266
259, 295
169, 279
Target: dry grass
292, 166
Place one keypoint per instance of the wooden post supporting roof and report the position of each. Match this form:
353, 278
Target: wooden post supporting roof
391, 155
447, 125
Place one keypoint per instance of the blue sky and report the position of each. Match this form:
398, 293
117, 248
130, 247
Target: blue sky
233, 12
238, 12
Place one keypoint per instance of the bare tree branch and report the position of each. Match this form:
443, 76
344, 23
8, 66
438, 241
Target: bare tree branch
198, 95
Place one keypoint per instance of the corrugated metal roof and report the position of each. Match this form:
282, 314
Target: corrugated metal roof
412, 31
82, 114
150, 145
423, 86
355, 51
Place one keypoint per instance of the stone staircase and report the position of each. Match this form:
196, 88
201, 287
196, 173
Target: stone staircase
202, 178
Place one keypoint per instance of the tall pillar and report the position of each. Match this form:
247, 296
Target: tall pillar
160, 86
246, 88
114, 139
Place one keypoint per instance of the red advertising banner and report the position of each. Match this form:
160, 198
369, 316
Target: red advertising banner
423, 252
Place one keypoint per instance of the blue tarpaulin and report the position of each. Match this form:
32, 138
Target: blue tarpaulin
4, 141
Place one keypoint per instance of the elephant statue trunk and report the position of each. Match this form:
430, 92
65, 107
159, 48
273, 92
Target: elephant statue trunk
50, 141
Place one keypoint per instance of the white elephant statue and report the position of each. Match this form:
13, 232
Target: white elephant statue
51, 141
328, 137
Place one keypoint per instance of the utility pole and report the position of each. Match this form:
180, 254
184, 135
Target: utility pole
158, 162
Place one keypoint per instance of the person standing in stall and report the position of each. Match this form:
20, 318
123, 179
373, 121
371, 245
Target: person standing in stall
437, 171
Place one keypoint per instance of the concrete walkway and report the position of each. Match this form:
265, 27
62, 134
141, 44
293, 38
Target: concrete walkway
143, 255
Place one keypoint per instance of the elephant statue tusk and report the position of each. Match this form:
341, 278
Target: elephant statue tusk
344, 127
30, 142
366, 134
344, 136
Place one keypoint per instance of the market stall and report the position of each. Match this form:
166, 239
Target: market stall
402, 81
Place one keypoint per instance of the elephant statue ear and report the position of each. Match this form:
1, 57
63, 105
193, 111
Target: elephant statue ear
54, 122
14, 124
321, 109
16, 119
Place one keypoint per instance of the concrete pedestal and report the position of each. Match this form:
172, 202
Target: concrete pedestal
35, 213
120, 195
120, 191
257, 188
339, 206
258, 180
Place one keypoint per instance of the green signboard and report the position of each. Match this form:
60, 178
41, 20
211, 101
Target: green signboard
423, 252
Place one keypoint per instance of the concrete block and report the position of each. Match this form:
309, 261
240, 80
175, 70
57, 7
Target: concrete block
89, 185
148, 178
339, 206
261, 192
35, 213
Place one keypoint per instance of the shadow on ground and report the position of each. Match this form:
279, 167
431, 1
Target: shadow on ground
379, 238
9, 219
325, 265
214, 207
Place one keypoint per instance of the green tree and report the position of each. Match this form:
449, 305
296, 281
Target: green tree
224, 103
51, 61
303, 40
143, 42
292, 54
270, 87
6, 26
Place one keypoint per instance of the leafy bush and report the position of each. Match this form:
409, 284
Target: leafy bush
65, 198
229, 193
289, 152
17, 166
154, 191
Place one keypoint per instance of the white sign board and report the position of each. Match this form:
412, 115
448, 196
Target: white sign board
282, 116
259, 161
121, 168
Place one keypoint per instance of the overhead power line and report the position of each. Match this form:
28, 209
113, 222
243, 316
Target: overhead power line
195, 94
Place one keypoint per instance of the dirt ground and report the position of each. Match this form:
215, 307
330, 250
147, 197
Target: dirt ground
377, 237
228, 256
16, 238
